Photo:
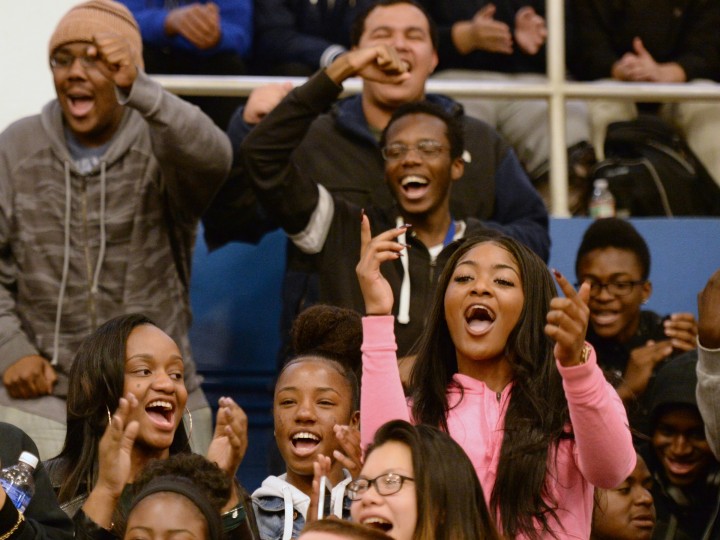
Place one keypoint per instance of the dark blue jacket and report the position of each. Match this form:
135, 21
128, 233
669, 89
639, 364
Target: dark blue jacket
300, 31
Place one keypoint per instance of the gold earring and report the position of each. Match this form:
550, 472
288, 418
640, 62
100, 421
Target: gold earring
109, 415
190, 421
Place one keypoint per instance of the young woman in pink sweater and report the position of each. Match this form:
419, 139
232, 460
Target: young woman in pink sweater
504, 369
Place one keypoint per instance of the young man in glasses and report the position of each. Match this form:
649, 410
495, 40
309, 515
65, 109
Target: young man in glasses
100, 197
630, 342
422, 147
341, 150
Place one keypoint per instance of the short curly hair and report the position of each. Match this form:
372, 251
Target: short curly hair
614, 233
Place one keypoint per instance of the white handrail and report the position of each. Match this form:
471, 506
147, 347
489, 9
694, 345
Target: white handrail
557, 90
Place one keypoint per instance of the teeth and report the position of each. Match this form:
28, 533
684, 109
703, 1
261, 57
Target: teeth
378, 523
375, 521
159, 403
413, 180
305, 435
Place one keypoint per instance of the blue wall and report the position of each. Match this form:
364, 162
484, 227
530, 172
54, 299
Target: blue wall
236, 304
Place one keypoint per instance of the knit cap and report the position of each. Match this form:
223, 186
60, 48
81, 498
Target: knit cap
93, 17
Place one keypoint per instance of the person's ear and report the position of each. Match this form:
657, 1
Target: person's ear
355, 420
457, 168
646, 289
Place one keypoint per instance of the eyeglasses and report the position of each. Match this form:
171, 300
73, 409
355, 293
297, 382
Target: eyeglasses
616, 288
385, 484
64, 60
427, 149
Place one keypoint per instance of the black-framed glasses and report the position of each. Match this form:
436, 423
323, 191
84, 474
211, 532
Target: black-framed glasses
427, 149
616, 288
62, 60
385, 484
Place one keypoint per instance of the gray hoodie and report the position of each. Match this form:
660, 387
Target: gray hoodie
78, 249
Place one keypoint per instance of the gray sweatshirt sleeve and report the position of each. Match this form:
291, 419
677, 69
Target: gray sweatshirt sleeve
708, 394
194, 154
14, 343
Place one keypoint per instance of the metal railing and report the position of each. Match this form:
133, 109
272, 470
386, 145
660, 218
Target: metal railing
556, 90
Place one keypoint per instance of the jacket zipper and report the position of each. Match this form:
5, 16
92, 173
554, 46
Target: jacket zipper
92, 315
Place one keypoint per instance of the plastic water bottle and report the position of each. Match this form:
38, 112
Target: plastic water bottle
602, 202
18, 481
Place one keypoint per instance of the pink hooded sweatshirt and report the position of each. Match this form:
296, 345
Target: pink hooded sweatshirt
601, 453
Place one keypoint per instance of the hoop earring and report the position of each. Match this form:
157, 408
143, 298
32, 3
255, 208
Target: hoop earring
190, 421
109, 415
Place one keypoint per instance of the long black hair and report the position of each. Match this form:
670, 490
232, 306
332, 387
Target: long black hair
450, 500
537, 412
96, 383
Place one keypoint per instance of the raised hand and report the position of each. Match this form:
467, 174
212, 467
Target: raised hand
29, 377
682, 330
709, 313
567, 321
376, 290
640, 366
483, 32
378, 63
351, 456
530, 30
264, 99
116, 59
321, 468
115, 463
230, 440
198, 23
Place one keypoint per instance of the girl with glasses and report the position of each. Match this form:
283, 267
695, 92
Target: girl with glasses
417, 483
504, 369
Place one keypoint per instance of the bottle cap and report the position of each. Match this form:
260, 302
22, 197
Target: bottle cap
30, 459
600, 183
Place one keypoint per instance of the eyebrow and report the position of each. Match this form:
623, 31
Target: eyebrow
404, 29
146, 356
295, 389
500, 266
171, 531
616, 275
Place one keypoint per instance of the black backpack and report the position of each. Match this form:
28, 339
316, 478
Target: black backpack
651, 171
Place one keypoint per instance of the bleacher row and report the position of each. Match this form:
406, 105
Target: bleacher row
556, 90
235, 345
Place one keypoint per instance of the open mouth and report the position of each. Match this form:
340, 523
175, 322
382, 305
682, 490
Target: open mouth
80, 104
162, 413
680, 468
479, 318
414, 186
378, 523
304, 443
604, 317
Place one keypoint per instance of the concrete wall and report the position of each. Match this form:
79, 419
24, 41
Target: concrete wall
25, 28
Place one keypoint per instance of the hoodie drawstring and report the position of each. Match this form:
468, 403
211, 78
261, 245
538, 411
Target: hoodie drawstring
66, 266
403, 316
103, 239
287, 498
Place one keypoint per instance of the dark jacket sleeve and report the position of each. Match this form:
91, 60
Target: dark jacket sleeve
235, 215
279, 40
288, 196
44, 520
519, 210
698, 48
591, 53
